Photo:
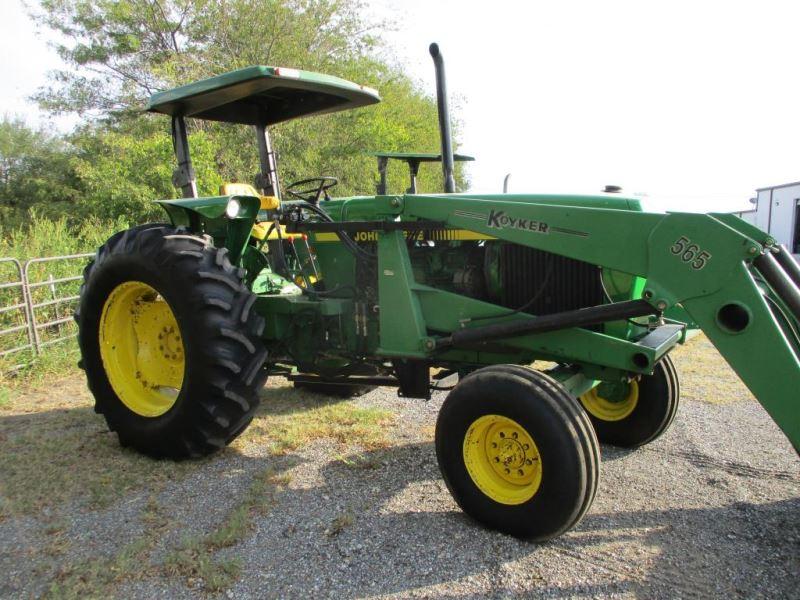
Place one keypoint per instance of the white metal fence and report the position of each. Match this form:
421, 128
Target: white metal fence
37, 300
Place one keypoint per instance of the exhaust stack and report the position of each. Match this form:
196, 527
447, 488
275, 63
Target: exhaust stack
444, 120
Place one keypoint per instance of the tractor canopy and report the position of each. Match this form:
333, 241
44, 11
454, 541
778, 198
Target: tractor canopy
420, 156
262, 96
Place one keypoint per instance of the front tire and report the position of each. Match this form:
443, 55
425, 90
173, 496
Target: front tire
516, 452
170, 342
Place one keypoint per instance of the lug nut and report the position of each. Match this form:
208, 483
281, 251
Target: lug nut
496, 459
514, 435
529, 462
494, 444
519, 472
502, 435
508, 471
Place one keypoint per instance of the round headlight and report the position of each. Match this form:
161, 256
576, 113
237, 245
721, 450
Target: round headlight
232, 210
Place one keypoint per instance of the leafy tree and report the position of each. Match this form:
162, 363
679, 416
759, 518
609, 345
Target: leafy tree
36, 169
122, 174
119, 52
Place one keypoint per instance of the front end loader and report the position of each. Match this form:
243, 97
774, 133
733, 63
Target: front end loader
180, 323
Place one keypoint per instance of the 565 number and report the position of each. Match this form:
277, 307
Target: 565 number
690, 253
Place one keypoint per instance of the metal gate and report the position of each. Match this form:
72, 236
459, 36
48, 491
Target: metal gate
37, 300
15, 331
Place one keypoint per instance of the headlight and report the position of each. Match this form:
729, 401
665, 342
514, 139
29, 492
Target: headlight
232, 210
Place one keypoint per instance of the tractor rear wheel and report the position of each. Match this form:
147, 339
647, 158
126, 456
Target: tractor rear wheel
170, 342
636, 413
516, 452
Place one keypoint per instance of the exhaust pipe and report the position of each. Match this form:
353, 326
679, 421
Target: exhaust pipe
444, 120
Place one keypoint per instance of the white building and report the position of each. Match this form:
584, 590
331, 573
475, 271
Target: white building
776, 212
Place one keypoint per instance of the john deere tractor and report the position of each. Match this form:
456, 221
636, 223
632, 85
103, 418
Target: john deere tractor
182, 322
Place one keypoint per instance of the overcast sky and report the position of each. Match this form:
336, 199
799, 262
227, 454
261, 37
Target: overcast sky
694, 103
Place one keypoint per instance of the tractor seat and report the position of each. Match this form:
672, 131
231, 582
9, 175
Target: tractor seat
261, 229
245, 189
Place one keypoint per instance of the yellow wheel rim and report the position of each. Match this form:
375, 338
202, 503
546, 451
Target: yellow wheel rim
141, 349
502, 459
611, 410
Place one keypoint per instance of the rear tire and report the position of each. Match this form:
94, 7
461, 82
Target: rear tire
517, 452
655, 405
217, 371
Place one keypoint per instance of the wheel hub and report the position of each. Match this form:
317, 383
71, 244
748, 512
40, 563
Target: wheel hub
142, 349
502, 459
609, 403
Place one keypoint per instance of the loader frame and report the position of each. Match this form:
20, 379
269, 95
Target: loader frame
723, 272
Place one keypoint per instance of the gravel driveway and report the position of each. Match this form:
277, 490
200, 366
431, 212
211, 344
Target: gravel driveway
709, 510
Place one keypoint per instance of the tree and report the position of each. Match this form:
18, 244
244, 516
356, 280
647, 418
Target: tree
121, 51
36, 169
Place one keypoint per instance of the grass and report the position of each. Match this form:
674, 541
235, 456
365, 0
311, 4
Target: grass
705, 376
55, 450
279, 426
364, 461
58, 362
340, 523
196, 561
57, 456
41, 237
97, 578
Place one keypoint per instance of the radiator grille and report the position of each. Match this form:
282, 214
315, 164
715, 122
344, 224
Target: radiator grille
572, 283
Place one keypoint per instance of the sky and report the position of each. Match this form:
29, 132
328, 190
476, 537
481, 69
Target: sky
692, 104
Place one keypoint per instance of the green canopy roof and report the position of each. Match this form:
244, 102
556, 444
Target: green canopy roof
262, 96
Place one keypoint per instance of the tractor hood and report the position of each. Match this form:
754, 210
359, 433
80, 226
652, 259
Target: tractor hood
262, 95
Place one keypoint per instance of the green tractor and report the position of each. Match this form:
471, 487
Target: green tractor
181, 323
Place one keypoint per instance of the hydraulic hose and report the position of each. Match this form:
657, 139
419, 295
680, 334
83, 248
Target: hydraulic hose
349, 243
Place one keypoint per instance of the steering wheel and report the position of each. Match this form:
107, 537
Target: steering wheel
311, 189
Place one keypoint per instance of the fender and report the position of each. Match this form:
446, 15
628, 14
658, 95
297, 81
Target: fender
208, 215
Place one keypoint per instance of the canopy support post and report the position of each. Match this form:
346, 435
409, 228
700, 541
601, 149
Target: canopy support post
383, 166
413, 168
183, 177
267, 180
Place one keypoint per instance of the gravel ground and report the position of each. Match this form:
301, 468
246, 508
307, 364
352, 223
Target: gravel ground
709, 510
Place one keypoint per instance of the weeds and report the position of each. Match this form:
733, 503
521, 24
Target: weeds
96, 578
55, 450
340, 523
42, 237
58, 362
361, 461
290, 419
194, 559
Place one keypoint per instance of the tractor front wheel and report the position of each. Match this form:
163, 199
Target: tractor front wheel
517, 453
635, 413
170, 342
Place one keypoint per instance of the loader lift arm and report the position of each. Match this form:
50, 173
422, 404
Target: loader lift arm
720, 269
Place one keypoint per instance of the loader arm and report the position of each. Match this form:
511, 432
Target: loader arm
720, 269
